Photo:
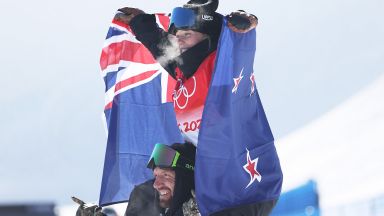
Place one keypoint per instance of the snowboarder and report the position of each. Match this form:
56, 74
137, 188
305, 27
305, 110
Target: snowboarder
194, 31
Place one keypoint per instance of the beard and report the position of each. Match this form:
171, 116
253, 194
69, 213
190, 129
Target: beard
165, 197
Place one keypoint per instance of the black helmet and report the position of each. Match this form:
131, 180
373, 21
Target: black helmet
197, 15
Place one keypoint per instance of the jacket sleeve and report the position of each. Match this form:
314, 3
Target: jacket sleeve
154, 38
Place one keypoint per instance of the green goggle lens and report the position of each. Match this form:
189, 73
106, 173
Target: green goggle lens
165, 157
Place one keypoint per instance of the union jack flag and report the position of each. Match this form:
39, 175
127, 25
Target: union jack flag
138, 110
126, 63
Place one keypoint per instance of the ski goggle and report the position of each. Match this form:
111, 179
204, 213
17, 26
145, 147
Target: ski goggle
182, 18
164, 156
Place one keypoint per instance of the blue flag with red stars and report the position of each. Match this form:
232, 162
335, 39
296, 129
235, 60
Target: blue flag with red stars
236, 161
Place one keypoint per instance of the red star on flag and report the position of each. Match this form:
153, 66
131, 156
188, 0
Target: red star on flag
250, 168
253, 87
237, 81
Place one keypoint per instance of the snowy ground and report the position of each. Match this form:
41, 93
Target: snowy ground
342, 150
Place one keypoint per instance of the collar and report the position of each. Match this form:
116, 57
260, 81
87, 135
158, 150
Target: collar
191, 59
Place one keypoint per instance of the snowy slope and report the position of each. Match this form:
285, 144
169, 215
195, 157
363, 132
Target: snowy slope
343, 150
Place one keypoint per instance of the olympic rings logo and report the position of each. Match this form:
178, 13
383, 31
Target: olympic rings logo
183, 91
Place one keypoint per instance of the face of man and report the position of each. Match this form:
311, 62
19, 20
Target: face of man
164, 184
188, 38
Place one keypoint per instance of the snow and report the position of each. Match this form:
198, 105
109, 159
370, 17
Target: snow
342, 150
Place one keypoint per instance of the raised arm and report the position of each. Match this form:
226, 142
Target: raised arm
146, 30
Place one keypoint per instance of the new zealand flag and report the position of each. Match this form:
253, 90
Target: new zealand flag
236, 161
138, 110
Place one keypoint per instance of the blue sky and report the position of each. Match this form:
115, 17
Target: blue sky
311, 56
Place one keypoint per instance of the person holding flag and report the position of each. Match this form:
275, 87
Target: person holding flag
187, 51
207, 56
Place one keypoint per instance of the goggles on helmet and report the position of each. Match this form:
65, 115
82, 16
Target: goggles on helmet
164, 156
182, 18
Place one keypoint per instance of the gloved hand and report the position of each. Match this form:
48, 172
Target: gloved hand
241, 21
87, 209
126, 14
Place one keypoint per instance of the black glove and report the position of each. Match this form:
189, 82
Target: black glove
126, 14
240, 21
87, 209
